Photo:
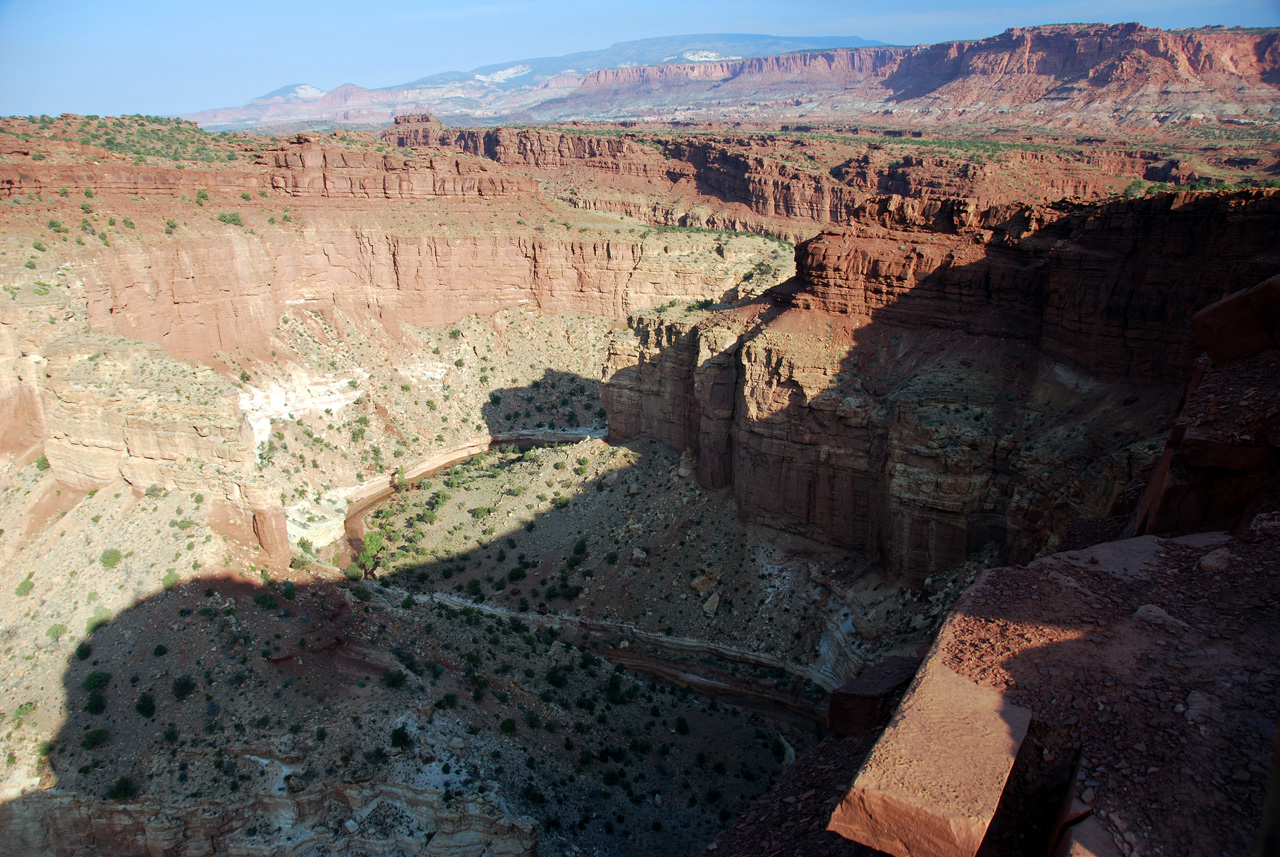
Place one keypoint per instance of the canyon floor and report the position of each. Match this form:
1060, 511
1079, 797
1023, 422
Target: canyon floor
531, 489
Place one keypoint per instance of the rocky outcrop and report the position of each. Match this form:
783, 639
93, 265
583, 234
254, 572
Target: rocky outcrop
121, 409
343, 818
1221, 463
302, 166
22, 422
940, 377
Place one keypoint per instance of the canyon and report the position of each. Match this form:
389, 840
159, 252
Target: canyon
729, 417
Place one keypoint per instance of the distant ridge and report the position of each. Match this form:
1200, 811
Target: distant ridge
498, 88
1065, 75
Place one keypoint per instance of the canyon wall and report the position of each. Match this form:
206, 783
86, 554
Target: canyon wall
227, 290
939, 377
301, 166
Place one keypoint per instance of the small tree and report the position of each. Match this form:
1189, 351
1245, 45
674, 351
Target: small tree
369, 553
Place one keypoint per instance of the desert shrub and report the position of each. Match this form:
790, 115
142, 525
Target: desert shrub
394, 678
122, 789
100, 617
231, 218
183, 686
146, 705
160, 650
508, 725
170, 580
94, 738
23, 588
400, 738
111, 557
353, 572
96, 703
96, 680
83, 651
265, 600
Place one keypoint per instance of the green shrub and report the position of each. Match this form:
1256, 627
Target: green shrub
83, 651
122, 790
111, 557
394, 678
400, 738
55, 632
100, 617
160, 650
245, 197
38, 246
353, 572
170, 580
24, 588
94, 738
96, 680
96, 703
183, 686
146, 705
231, 218
265, 600
508, 725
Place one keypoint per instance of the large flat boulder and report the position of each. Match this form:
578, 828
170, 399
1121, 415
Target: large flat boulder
932, 783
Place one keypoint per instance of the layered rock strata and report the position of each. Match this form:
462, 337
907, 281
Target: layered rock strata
302, 166
121, 409
940, 377
338, 818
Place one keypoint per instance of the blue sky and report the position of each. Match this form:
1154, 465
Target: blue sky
142, 56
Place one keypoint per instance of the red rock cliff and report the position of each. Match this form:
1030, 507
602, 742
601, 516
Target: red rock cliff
938, 377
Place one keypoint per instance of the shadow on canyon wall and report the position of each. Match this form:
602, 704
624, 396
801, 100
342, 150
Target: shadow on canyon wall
241, 663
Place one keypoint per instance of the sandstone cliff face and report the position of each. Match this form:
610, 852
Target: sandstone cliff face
940, 377
227, 289
302, 166
1074, 75
121, 409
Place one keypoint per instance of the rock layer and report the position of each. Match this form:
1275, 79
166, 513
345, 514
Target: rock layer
120, 409
976, 376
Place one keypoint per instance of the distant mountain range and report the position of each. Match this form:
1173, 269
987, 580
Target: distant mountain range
1068, 75
498, 91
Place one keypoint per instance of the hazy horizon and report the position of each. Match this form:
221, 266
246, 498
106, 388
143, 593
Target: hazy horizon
152, 58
